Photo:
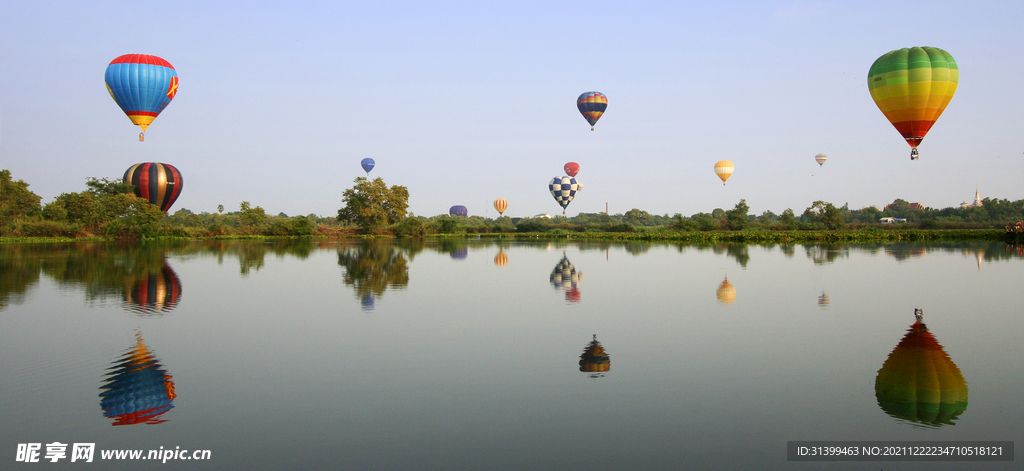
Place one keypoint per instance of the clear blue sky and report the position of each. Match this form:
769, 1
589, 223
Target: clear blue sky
466, 102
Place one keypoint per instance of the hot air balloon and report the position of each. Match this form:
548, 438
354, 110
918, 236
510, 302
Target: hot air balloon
458, 210
724, 168
564, 190
820, 159
595, 360
157, 292
367, 164
912, 87
137, 389
919, 383
156, 182
142, 85
501, 204
726, 293
571, 169
592, 106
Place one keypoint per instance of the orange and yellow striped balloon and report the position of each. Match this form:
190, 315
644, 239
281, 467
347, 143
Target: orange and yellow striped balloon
501, 204
724, 168
912, 87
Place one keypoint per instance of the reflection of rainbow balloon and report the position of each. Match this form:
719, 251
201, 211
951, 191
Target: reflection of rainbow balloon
594, 359
157, 292
920, 383
137, 389
823, 300
726, 293
501, 259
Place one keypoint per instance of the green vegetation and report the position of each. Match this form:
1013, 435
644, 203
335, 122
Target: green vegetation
109, 209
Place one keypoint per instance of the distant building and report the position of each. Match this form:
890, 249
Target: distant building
917, 206
977, 201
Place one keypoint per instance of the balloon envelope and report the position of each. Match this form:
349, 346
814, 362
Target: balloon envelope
912, 86
458, 210
367, 164
724, 168
564, 189
142, 85
159, 183
571, 169
595, 359
501, 204
137, 389
592, 106
820, 159
920, 383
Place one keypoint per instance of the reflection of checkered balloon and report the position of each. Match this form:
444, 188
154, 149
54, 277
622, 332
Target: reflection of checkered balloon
564, 189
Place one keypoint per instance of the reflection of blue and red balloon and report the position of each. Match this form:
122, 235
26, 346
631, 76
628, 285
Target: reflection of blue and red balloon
142, 85
137, 390
156, 182
157, 292
458, 210
460, 253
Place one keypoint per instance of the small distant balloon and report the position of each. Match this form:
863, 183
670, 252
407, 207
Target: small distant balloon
500, 205
592, 106
142, 85
159, 183
820, 159
724, 168
367, 164
571, 169
458, 210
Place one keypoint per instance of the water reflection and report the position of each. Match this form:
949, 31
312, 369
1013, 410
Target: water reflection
137, 390
501, 259
565, 277
822, 254
823, 301
726, 293
595, 360
371, 268
154, 293
919, 383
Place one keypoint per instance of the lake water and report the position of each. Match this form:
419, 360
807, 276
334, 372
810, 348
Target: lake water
506, 354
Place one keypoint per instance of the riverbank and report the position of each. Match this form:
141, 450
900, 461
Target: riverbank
696, 237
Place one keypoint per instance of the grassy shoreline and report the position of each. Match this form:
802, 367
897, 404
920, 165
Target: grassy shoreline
697, 237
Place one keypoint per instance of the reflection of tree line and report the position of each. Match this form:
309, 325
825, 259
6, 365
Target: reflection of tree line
373, 267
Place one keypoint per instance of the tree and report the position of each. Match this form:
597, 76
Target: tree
250, 216
826, 214
130, 216
104, 186
16, 200
737, 217
788, 219
371, 205
637, 217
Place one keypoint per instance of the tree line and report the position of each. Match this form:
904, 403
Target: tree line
109, 208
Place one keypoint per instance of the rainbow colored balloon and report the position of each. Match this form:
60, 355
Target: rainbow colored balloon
592, 106
912, 87
142, 85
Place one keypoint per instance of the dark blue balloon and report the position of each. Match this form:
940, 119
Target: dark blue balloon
367, 164
458, 210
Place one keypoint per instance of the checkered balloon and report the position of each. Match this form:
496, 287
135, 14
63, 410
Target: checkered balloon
564, 189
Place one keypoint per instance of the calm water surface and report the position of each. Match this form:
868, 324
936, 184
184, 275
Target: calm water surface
511, 355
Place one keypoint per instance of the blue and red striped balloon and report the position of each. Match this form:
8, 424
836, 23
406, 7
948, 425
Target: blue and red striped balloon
142, 85
592, 106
